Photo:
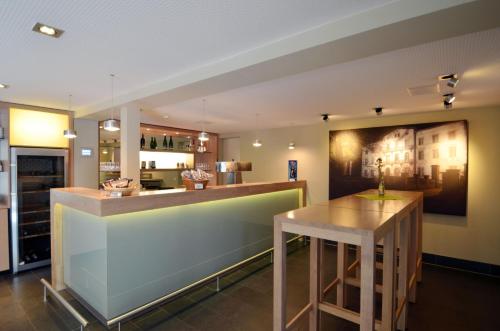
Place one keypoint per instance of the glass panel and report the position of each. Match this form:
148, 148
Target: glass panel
36, 176
121, 262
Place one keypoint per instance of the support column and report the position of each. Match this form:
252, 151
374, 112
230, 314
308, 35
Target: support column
130, 140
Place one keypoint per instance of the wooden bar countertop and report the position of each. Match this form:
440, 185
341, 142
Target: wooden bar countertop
98, 203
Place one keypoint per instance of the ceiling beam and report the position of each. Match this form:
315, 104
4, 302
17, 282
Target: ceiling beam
397, 25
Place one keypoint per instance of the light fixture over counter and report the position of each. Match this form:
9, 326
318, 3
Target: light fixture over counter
203, 136
256, 143
69, 133
112, 124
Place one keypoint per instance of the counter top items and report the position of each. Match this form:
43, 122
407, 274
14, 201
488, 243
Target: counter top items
195, 179
119, 187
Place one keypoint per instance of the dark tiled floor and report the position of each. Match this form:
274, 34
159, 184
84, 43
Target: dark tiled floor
447, 300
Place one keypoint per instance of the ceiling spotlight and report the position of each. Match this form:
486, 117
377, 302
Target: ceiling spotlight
378, 110
291, 145
448, 100
452, 80
165, 116
4, 86
325, 117
47, 30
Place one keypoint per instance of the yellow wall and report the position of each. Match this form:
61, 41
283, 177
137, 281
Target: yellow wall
38, 128
475, 237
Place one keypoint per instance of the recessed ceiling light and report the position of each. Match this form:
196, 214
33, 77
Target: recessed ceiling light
47, 30
4, 86
165, 116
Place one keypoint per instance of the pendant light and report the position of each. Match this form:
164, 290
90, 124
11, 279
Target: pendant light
256, 143
69, 133
203, 136
112, 124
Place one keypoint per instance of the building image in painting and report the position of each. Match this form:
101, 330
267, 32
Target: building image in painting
428, 157
442, 155
397, 152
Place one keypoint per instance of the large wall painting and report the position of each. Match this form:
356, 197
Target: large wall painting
430, 157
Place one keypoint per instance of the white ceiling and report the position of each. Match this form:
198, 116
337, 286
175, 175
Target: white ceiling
351, 89
140, 41
248, 57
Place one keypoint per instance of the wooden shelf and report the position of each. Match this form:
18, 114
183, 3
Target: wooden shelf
34, 223
45, 210
166, 151
164, 169
36, 191
41, 176
34, 236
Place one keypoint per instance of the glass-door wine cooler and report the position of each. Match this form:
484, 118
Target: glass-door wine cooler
34, 172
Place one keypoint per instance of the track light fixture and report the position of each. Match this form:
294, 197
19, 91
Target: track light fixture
378, 110
325, 117
452, 80
448, 100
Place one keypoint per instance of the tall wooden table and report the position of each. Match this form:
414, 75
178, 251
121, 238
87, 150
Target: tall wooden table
364, 223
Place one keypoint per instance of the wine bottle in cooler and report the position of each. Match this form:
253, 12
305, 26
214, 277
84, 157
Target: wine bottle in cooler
143, 141
170, 143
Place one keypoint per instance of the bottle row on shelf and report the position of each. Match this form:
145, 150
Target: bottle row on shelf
109, 166
186, 145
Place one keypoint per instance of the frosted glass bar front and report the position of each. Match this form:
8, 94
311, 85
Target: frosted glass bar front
132, 259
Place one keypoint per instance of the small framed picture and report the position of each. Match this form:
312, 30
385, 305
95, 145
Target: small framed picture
292, 170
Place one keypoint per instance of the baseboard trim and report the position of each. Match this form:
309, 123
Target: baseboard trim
464, 265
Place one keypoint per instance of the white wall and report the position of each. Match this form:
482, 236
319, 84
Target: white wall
86, 168
474, 237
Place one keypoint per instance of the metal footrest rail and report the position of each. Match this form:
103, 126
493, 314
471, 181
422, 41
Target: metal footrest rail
46, 286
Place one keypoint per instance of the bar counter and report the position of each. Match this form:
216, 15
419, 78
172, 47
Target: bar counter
118, 254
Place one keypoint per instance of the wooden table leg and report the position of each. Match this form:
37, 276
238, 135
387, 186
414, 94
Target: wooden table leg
279, 278
342, 251
367, 309
314, 283
358, 257
412, 256
404, 240
389, 281
420, 216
